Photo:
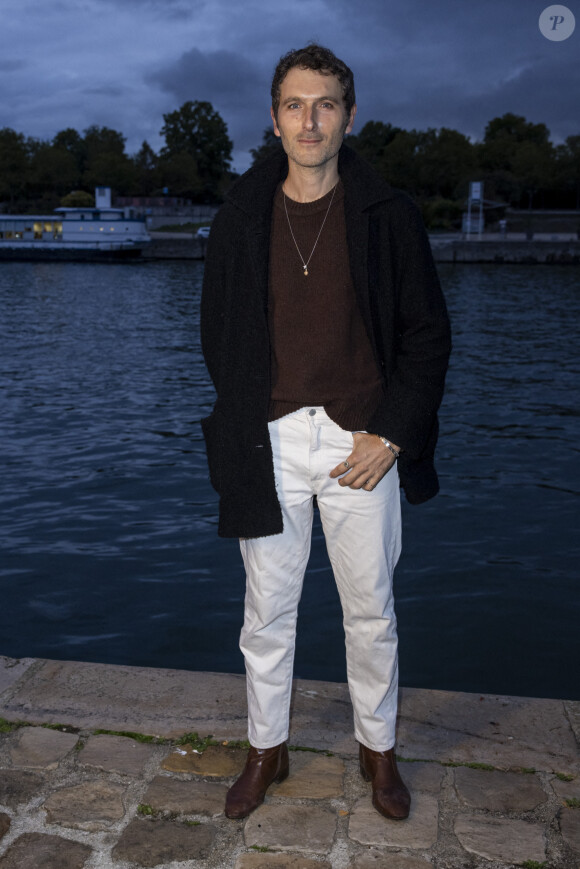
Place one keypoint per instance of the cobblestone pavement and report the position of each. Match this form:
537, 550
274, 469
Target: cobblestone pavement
72, 797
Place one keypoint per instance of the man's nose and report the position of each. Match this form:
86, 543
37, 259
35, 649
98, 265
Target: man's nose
310, 119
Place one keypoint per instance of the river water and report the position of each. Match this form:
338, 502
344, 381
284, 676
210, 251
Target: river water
108, 546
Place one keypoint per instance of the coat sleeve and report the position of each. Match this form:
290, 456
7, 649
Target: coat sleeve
417, 363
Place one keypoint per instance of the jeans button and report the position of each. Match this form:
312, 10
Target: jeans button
312, 412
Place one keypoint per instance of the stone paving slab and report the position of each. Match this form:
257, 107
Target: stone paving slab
166, 794
422, 776
41, 851
566, 789
155, 843
294, 828
279, 861
506, 839
91, 806
119, 754
498, 791
41, 748
19, 786
570, 827
378, 860
11, 670
215, 761
367, 827
502, 731
312, 777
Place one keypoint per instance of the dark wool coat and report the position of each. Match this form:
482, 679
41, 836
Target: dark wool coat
402, 307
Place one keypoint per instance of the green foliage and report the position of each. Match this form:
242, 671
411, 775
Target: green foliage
138, 737
9, 726
196, 140
145, 809
473, 765
533, 864
442, 213
573, 803
271, 144
313, 750
564, 776
197, 743
78, 199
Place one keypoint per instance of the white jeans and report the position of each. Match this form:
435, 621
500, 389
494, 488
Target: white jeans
363, 538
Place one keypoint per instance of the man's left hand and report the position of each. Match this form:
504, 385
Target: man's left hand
367, 464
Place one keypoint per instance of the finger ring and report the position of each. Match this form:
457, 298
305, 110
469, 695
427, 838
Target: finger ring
346, 464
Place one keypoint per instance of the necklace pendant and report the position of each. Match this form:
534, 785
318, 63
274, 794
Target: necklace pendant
305, 270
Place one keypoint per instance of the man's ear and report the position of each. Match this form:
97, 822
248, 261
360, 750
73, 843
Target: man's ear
350, 124
273, 116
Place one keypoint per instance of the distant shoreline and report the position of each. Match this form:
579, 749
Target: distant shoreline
543, 249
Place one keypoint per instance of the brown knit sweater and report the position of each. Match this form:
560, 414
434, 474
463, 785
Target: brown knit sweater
321, 353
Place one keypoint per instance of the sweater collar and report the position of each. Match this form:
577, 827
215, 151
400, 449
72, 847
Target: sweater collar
254, 191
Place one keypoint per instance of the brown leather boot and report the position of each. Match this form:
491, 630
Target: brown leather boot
390, 795
263, 766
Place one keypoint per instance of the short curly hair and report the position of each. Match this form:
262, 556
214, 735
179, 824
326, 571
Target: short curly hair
317, 58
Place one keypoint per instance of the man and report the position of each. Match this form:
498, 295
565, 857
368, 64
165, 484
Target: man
326, 336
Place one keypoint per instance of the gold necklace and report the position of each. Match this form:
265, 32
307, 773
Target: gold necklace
302, 260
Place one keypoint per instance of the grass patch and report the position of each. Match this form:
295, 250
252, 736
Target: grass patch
197, 743
263, 849
323, 751
9, 726
573, 803
200, 743
129, 734
473, 765
533, 864
192, 823
145, 809
63, 728
564, 776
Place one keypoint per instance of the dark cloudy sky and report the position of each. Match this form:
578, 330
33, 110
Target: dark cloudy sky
417, 63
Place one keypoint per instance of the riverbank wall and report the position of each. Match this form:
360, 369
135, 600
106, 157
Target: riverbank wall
446, 249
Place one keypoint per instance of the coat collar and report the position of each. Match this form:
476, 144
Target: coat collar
254, 191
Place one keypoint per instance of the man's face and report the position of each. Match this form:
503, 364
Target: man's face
312, 120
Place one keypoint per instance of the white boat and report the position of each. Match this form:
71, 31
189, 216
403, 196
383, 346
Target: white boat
102, 233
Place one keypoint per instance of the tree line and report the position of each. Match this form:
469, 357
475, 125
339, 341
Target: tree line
516, 160
194, 162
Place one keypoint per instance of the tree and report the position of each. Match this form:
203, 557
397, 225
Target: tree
446, 162
271, 144
53, 171
198, 130
106, 161
78, 199
510, 146
72, 143
14, 164
145, 165
567, 167
372, 141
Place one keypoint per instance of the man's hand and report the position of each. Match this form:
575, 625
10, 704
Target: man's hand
367, 464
